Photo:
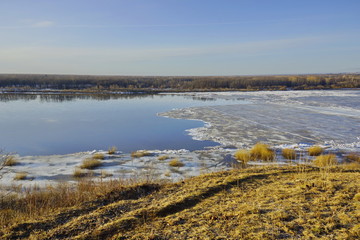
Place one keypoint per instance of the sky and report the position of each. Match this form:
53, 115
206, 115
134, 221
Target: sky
179, 37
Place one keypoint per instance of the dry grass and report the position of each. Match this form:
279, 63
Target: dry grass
79, 173
139, 154
90, 163
105, 174
99, 156
176, 163
21, 176
33, 204
288, 153
163, 157
243, 156
10, 161
327, 160
352, 157
315, 150
112, 150
253, 203
262, 152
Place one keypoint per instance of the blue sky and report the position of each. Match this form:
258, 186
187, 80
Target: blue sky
179, 37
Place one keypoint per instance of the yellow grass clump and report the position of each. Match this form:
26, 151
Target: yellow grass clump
262, 152
99, 156
243, 156
105, 174
315, 150
357, 197
138, 154
176, 163
163, 157
352, 157
79, 173
112, 150
90, 163
289, 153
327, 160
20, 176
10, 161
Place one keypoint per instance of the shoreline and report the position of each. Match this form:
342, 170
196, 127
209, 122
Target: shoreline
233, 126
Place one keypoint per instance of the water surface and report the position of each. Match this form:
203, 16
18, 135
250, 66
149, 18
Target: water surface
61, 124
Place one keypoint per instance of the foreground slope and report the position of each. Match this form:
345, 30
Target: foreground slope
255, 203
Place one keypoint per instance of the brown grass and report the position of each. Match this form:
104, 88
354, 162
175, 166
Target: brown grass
10, 161
105, 174
33, 204
315, 150
253, 203
243, 156
163, 157
79, 173
139, 154
288, 153
99, 156
21, 176
112, 150
327, 160
262, 152
176, 163
352, 157
90, 163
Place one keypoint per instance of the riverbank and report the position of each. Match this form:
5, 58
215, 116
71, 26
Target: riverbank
293, 119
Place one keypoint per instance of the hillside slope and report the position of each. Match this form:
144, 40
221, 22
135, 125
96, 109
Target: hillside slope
254, 203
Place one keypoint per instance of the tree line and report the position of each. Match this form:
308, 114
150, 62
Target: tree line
177, 83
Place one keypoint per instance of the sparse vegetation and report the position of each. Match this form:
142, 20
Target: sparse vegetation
79, 173
10, 161
327, 160
176, 163
163, 157
99, 156
90, 163
105, 174
112, 150
352, 157
289, 153
138, 154
315, 150
262, 152
243, 156
21, 176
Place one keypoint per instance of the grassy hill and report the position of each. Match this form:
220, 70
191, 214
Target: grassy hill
299, 202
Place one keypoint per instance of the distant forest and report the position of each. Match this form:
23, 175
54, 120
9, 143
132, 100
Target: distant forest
28, 82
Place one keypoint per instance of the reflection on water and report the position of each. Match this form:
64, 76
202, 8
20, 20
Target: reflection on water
6, 97
43, 124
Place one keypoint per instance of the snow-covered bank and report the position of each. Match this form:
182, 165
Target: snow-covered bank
49, 170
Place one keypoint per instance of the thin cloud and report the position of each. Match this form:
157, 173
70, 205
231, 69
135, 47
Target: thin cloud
186, 24
43, 24
143, 54
30, 24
